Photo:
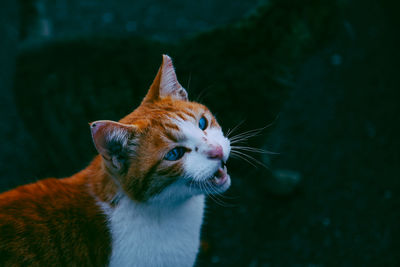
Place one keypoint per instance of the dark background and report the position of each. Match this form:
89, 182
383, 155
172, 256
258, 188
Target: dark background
323, 75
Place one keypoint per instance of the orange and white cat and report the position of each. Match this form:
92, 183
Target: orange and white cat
139, 203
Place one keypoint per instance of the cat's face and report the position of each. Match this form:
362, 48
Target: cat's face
168, 147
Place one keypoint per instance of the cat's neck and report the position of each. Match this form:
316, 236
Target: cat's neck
97, 181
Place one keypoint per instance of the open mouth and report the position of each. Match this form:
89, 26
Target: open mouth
220, 177
217, 183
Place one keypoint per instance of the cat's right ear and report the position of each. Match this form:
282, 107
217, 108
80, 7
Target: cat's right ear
115, 143
166, 84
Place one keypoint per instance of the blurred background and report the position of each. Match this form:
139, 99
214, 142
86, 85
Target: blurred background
321, 77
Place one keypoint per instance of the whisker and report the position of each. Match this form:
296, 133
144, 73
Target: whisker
251, 158
215, 196
204, 188
253, 149
237, 156
243, 137
220, 195
234, 128
245, 134
250, 149
242, 140
225, 196
238, 151
254, 131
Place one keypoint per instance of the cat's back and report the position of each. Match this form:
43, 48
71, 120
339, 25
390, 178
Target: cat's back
52, 221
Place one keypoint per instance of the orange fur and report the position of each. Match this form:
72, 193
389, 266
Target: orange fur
53, 222
58, 221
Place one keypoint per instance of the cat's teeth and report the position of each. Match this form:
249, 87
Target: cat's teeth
220, 176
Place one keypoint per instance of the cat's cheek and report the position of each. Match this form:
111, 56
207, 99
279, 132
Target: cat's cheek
198, 168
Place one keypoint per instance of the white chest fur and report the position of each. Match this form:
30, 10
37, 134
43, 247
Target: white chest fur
155, 235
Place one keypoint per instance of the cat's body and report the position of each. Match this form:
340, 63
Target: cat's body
139, 203
51, 222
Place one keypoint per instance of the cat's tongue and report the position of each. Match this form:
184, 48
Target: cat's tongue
220, 176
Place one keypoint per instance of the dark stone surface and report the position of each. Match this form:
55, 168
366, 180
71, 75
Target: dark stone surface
338, 125
158, 20
15, 150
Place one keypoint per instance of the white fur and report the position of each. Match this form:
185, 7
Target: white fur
196, 163
155, 233
165, 230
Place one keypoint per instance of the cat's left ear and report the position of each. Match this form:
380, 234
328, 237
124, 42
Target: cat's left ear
166, 84
114, 142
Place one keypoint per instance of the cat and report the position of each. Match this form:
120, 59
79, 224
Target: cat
140, 201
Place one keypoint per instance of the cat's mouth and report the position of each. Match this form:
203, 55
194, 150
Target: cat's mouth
220, 177
217, 183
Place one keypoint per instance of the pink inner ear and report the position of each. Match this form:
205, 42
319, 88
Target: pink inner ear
99, 131
166, 84
167, 61
169, 85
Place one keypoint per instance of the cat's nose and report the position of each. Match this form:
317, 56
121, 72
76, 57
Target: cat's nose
216, 152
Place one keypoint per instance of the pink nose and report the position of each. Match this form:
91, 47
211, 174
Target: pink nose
216, 152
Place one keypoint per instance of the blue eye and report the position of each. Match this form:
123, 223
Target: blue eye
175, 154
203, 123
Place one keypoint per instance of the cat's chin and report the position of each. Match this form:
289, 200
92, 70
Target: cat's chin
218, 183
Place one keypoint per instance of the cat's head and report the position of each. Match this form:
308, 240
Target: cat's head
168, 147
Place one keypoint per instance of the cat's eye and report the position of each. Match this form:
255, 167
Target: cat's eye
203, 123
175, 154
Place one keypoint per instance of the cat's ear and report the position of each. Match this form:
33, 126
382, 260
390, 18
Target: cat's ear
166, 84
114, 141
